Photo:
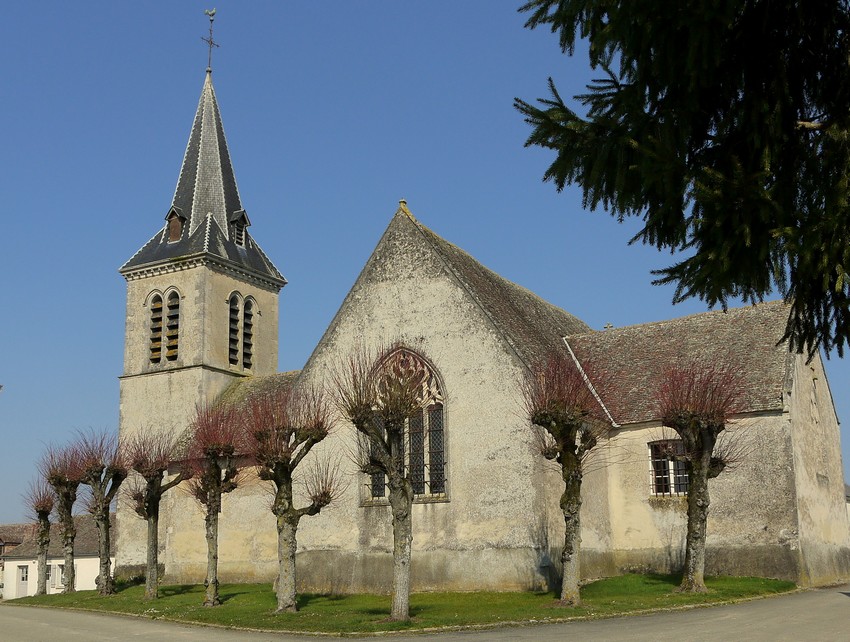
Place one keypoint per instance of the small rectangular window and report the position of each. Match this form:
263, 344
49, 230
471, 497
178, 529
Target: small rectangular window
668, 467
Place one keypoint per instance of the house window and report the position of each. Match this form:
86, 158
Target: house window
240, 335
25, 573
61, 573
47, 572
156, 329
668, 468
424, 455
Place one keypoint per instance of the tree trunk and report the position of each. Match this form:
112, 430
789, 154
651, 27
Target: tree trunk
105, 583
43, 539
286, 547
401, 502
152, 569
69, 533
693, 578
571, 507
211, 597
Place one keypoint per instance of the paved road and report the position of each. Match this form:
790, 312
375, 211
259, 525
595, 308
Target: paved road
813, 615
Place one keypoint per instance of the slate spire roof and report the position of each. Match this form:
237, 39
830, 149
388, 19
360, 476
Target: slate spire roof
206, 216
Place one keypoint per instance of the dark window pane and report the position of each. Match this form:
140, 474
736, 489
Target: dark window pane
416, 438
436, 450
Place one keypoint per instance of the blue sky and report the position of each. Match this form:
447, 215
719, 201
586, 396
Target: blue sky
333, 112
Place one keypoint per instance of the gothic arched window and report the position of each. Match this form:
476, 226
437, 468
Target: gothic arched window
425, 444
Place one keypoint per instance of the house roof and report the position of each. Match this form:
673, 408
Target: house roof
529, 324
15, 533
207, 201
634, 358
85, 543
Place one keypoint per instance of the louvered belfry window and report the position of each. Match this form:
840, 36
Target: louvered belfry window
156, 329
233, 332
425, 454
240, 331
248, 335
172, 327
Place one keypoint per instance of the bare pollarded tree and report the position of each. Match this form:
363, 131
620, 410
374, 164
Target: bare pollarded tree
282, 427
104, 470
569, 422
696, 401
379, 393
40, 499
151, 454
217, 440
62, 469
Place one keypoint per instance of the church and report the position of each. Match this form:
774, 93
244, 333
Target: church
202, 326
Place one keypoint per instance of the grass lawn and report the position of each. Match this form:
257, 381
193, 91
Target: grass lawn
252, 605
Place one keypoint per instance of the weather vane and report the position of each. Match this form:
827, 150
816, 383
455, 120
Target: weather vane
210, 42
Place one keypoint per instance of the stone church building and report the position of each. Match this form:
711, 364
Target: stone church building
202, 323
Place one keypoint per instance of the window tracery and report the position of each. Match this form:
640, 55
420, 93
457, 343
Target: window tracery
425, 458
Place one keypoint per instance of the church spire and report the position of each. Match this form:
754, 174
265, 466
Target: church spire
207, 184
206, 216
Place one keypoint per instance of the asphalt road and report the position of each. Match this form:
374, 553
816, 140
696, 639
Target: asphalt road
812, 615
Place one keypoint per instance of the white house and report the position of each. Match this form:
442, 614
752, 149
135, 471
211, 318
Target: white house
21, 565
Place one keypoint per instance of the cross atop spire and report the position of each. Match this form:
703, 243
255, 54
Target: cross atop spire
210, 42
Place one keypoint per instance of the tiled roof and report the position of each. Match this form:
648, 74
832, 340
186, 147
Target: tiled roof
85, 543
529, 324
15, 533
634, 358
247, 387
208, 200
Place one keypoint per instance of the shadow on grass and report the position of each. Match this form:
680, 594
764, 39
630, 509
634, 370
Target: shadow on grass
652, 579
177, 589
229, 595
305, 599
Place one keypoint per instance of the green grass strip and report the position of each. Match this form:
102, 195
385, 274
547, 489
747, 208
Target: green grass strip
252, 605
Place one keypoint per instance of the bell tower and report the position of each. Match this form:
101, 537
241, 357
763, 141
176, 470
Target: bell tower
202, 301
202, 297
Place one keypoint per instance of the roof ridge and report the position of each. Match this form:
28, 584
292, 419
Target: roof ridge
427, 234
674, 320
512, 337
